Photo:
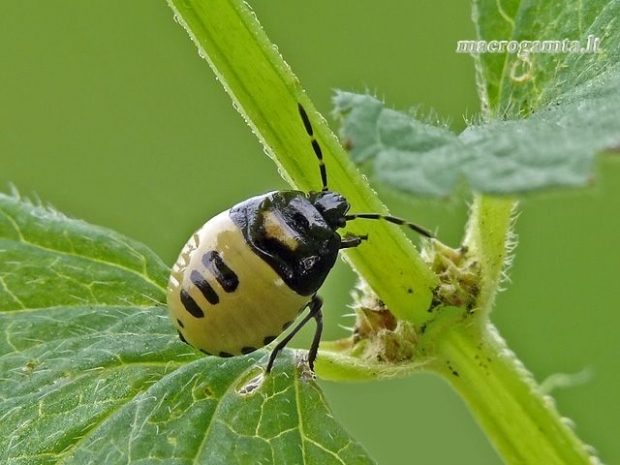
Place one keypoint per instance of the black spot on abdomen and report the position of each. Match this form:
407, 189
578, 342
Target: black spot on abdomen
222, 273
190, 305
204, 287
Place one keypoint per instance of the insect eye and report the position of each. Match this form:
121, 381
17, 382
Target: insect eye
301, 221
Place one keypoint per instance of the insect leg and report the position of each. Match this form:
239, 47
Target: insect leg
315, 312
352, 241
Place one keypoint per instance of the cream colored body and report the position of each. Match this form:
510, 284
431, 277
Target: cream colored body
257, 311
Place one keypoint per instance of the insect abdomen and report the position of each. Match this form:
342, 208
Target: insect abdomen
224, 299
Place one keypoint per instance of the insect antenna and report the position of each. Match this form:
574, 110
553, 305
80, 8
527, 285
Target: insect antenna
391, 219
369, 216
315, 145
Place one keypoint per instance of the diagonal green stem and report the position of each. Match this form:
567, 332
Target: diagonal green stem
520, 421
266, 93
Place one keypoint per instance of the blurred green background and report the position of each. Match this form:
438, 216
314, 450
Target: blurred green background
108, 113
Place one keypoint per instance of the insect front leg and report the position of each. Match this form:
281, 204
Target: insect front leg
314, 312
350, 241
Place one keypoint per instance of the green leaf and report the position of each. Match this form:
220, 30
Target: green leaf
554, 147
512, 86
551, 113
91, 370
49, 260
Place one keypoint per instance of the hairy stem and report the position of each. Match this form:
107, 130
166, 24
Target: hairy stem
520, 421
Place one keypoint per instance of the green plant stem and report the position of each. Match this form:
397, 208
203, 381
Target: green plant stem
488, 236
267, 93
521, 422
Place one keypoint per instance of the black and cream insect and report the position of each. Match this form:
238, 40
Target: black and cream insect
245, 276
